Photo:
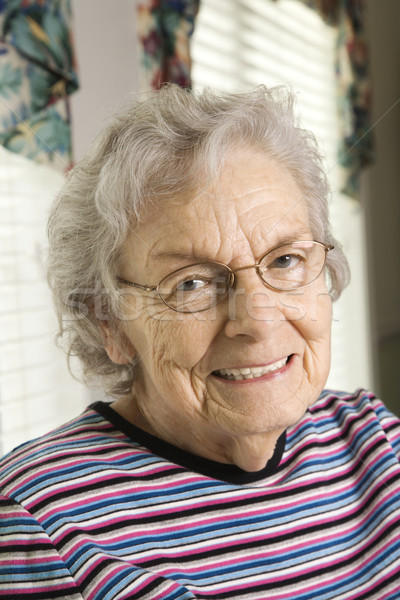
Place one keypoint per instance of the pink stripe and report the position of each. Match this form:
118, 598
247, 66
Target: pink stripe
26, 560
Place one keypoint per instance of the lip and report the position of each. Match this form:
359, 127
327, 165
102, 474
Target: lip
262, 378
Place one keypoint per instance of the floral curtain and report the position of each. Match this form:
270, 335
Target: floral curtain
356, 149
165, 27
37, 73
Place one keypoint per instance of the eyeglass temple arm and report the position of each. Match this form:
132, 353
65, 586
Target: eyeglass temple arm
147, 288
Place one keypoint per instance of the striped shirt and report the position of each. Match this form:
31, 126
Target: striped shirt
99, 509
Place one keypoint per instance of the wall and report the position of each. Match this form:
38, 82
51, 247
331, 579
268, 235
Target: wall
106, 47
382, 196
105, 41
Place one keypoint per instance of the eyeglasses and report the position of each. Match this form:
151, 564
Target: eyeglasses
200, 286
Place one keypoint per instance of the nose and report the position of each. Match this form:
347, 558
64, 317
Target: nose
254, 310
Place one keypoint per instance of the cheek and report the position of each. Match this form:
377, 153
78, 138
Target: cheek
310, 310
315, 328
321, 316
173, 344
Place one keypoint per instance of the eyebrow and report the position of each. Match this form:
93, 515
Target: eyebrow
178, 254
181, 255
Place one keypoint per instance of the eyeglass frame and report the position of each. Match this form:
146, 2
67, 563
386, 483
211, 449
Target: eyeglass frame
231, 275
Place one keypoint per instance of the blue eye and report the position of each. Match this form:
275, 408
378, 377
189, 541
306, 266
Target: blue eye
196, 287
191, 285
285, 261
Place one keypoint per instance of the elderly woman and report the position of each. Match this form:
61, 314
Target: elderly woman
193, 270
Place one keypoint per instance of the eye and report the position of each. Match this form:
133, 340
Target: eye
192, 285
285, 261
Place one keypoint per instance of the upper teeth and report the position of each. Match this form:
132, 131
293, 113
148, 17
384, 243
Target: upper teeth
251, 372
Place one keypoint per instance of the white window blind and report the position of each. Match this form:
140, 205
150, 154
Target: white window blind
36, 389
238, 44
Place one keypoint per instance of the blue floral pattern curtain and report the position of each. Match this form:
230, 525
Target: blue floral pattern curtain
354, 94
165, 27
37, 74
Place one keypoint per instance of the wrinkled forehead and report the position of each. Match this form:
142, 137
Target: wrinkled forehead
254, 205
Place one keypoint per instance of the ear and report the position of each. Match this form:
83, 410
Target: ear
112, 345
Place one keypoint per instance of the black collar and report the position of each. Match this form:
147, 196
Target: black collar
204, 466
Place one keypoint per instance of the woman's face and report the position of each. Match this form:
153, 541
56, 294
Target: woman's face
255, 206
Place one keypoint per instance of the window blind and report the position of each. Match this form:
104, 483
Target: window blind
238, 44
36, 389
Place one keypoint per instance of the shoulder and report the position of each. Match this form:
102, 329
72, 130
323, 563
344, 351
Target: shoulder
62, 454
356, 417
28, 555
345, 437
339, 406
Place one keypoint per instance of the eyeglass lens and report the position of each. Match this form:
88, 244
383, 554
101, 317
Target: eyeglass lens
292, 266
198, 287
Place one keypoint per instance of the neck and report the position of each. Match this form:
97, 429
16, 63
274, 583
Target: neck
249, 452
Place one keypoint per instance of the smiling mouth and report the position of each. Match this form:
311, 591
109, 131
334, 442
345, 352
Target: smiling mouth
250, 372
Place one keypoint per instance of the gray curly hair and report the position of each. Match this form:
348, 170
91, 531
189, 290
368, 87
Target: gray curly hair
157, 146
